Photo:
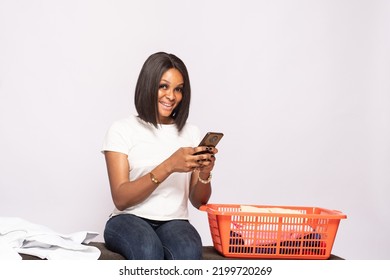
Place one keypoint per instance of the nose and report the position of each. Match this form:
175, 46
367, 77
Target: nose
170, 95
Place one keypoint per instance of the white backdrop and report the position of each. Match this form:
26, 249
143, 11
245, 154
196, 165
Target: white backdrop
300, 88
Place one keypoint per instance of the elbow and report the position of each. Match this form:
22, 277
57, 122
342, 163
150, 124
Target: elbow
198, 203
120, 204
120, 207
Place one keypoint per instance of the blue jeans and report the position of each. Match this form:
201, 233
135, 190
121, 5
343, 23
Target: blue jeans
136, 238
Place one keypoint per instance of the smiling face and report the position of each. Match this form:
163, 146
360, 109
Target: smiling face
170, 93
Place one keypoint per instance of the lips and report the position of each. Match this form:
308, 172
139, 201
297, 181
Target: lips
167, 106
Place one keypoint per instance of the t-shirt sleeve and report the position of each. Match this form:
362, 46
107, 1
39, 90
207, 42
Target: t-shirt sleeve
115, 140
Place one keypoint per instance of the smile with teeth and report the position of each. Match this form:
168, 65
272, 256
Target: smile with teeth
167, 105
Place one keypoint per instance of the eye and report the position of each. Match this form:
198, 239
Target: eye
163, 86
179, 89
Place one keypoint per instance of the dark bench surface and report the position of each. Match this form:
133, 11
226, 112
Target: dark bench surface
209, 253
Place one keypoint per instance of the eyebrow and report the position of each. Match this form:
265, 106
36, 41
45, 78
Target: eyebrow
182, 84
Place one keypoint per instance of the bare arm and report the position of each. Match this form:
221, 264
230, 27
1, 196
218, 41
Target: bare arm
199, 192
126, 193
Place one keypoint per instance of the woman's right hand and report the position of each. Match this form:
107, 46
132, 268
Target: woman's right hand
186, 159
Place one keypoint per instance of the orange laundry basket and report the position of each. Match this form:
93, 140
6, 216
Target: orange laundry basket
308, 233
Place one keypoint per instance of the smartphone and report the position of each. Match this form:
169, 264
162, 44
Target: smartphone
211, 139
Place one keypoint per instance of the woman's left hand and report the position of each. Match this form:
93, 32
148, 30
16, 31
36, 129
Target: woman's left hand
206, 161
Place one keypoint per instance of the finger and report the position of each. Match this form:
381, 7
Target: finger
211, 157
202, 150
206, 159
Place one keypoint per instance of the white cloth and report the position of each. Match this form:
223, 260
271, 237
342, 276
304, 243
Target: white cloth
20, 236
258, 230
147, 146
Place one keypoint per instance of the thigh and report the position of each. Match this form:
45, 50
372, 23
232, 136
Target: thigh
180, 240
133, 238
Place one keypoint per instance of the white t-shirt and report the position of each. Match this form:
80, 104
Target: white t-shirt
146, 147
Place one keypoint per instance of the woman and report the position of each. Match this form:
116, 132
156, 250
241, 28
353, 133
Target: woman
153, 170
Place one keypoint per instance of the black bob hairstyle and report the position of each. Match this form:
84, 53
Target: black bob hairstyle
145, 98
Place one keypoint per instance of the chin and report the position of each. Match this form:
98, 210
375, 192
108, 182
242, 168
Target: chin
165, 114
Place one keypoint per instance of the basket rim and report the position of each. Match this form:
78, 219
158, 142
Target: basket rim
331, 214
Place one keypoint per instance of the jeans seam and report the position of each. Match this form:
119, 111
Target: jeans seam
169, 251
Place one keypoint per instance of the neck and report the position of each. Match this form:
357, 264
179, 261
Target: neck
167, 120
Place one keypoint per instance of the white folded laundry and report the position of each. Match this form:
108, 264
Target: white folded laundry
260, 230
20, 236
7, 252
